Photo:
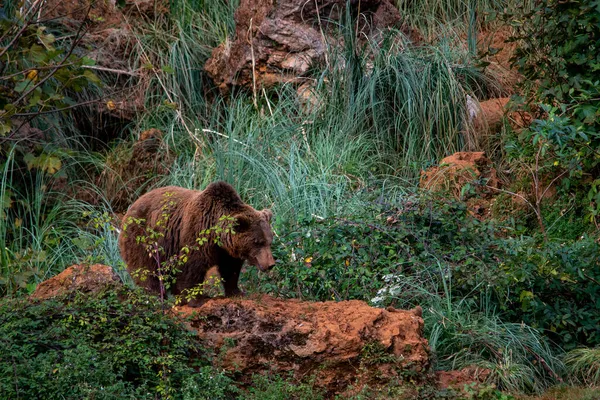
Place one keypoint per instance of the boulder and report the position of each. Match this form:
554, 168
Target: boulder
488, 116
82, 278
278, 41
455, 172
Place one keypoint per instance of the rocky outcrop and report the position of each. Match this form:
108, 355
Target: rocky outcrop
278, 41
343, 345
82, 278
457, 170
331, 340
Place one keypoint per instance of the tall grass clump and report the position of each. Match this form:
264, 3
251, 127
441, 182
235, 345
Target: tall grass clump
463, 333
584, 364
43, 229
465, 17
35, 226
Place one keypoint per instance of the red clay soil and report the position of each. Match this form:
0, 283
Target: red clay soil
489, 115
457, 170
495, 50
83, 278
330, 340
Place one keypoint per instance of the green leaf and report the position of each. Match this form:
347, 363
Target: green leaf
23, 85
38, 54
92, 77
5, 127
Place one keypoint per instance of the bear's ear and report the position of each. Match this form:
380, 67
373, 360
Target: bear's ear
242, 222
267, 214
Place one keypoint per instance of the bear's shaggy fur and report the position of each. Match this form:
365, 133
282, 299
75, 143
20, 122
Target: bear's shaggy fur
190, 212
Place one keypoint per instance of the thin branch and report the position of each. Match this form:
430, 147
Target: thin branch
42, 68
223, 135
554, 180
58, 109
251, 42
17, 36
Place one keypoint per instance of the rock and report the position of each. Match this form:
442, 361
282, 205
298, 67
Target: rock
460, 169
308, 98
82, 278
278, 41
488, 116
457, 170
328, 339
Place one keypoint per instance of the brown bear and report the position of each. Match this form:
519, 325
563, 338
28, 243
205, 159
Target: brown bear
188, 213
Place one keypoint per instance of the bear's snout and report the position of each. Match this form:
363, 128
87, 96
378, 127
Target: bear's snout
265, 260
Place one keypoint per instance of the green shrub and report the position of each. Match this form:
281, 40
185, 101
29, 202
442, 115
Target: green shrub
558, 54
116, 345
553, 286
349, 256
276, 387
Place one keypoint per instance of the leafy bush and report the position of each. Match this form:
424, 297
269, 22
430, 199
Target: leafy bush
114, 346
559, 158
553, 286
276, 387
347, 257
39, 74
557, 53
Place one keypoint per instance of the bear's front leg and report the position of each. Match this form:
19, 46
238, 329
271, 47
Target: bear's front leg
230, 274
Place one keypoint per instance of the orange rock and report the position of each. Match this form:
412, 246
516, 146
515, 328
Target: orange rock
489, 116
83, 278
323, 338
457, 379
459, 169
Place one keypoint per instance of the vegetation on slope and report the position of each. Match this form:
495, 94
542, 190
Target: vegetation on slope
518, 295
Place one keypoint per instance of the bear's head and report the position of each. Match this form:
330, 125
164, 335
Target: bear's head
253, 237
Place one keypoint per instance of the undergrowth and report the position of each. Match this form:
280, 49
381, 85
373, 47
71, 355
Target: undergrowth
113, 345
340, 174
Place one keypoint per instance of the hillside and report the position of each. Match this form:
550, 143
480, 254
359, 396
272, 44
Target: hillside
440, 156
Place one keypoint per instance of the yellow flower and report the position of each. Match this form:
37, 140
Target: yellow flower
308, 260
556, 163
111, 105
31, 75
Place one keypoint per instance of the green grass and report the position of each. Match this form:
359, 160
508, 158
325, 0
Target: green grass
376, 120
463, 333
584, 364
43, 231
465, 17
